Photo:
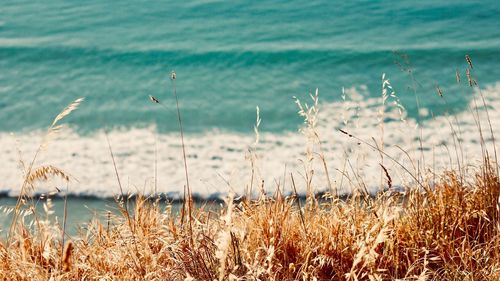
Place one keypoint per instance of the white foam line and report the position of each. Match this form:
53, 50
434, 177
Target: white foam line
26, 41
216, 157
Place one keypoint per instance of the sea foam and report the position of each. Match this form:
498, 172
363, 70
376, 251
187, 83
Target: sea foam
219, 161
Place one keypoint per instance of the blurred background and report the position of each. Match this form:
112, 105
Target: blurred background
230, 56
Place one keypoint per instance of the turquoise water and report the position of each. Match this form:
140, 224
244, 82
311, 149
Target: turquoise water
230, 56
82, 211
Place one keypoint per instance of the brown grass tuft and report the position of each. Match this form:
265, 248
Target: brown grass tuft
448, 233
67, 257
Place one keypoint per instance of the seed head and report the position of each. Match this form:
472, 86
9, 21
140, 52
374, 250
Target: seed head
67, 256
439, 91
153, 99
469, 61
467, 71
172, 75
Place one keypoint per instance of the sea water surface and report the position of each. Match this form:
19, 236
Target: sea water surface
230, 57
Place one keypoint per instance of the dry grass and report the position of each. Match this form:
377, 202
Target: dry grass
449, 233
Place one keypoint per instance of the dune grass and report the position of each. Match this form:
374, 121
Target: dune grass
448, 233
446, 228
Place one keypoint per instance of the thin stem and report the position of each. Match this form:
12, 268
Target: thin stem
387, 155
64, 223
189, 199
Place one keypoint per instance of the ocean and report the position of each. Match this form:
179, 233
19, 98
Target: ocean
230, 57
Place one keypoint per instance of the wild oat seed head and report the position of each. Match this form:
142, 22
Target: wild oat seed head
469, 61
153, 99
439, 91
74, 105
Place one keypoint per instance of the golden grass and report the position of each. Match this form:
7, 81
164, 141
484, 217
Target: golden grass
449, 233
